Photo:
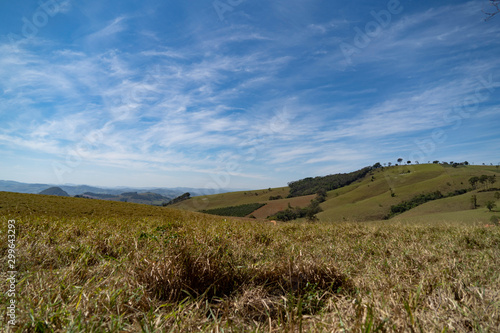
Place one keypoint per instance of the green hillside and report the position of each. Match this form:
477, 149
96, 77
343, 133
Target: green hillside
372, 198
231, 199
369, 198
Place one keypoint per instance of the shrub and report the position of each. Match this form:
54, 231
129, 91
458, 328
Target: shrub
293, 213
490, 205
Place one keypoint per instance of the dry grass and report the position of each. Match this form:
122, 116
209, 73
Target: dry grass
154, 269
274, 206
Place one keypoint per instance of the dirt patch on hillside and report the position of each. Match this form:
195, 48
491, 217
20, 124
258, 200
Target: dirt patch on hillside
275, 206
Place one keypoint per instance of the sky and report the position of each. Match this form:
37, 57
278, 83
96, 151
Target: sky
242, 94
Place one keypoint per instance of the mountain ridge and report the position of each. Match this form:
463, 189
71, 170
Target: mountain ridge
72, 189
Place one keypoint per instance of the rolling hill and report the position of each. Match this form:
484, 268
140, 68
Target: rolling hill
72, 190
55, 191
108, 266
371, 197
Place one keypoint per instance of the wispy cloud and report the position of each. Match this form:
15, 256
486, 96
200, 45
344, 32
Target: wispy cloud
268, 90
112, 28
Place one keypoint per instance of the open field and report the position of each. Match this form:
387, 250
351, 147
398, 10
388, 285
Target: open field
368, 199
97, 266
247, 197
276, 205
235, 198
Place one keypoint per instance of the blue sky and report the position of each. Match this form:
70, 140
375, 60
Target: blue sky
242, 94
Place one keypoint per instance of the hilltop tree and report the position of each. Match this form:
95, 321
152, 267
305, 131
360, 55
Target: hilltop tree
408, 162
400, 160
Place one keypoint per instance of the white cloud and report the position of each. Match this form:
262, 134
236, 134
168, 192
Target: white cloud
258, 95
111, 29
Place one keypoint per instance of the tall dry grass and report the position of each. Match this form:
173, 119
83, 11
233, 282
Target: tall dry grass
164, 270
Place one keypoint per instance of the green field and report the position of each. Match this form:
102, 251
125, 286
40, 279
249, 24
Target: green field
99, 266
368, 199
231, 199
239, 211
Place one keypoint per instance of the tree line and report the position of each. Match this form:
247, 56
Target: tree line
419, 200
312, 185
483, 180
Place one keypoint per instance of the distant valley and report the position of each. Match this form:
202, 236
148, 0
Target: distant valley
154, 196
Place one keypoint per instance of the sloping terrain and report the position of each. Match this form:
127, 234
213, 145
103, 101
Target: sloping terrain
148, 198
274, 206
370, 198
108, 266
231, 199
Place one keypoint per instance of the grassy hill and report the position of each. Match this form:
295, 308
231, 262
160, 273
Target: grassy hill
372, 198
234, 198
101, 266
368, 199
148, 198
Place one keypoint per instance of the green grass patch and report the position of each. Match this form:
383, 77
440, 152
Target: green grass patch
238, 211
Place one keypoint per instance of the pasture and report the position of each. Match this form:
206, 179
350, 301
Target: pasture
368, 199
96, 266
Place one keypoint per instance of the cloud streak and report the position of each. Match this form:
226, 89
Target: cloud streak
273, 97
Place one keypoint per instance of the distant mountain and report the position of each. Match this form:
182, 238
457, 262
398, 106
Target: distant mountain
55, 191
11, 186
72, 190
148, 198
